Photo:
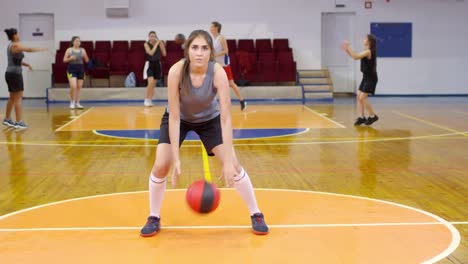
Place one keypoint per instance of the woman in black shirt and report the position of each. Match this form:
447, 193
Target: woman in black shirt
369, 81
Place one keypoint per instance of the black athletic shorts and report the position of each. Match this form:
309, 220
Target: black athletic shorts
76, 71
14, 82
209, 132
154, 70
368, 84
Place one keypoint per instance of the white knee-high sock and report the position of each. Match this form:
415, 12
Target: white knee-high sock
157, 188
244, 186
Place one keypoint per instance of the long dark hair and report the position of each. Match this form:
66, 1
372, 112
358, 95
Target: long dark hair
73, 40
185, 76
373, 48
10, 33
217, 25
153, 32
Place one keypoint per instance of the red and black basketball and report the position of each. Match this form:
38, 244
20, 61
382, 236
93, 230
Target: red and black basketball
203, 197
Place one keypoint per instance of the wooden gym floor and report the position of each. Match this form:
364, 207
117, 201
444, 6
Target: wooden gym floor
73, 187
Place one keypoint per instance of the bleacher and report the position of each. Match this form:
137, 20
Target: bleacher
259, 62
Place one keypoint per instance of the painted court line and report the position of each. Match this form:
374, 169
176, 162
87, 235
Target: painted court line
454, 232
220, 227
236, 144
430, 123
459, 223
323, 116
193, 140
76, 118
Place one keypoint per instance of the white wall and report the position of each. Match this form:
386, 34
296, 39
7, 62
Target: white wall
439, 63
440, 37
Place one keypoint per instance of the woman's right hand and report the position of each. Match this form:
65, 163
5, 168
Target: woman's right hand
176, 173
72, 57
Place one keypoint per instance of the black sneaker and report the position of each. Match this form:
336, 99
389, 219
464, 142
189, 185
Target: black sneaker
259, 226
151, 227
371, 120
360, 121
243, 104
8, 122
21, 125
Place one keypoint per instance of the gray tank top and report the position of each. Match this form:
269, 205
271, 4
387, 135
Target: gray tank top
14, 61
78, 55
201, 104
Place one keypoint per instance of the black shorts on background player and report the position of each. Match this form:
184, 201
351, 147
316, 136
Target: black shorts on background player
14, 82
76, 71
368, 84
154, 69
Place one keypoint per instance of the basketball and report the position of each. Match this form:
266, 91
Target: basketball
203, 197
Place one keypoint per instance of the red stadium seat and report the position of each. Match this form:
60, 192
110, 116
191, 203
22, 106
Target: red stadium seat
232, 45
281, 45
263, 45
136, 64
59, 74
118, 63
120, 45
103, 46
246, 45
137, 45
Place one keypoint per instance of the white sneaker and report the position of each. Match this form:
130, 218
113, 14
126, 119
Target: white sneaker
72, 105
148, 103
78, 106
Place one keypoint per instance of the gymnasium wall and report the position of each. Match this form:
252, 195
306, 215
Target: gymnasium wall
440, 35
439, 64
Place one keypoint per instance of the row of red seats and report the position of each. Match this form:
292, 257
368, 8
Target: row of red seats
116, 59
119, 59
249, 45
260, 45
106, 45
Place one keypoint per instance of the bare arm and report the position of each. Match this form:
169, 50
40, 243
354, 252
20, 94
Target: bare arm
153, 50
18, 47
26, 65
163, 48
85, 55
67, 57
174, 109
225, 48
224, 97
356, 56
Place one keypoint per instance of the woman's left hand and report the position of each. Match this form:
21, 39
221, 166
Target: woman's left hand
228, 174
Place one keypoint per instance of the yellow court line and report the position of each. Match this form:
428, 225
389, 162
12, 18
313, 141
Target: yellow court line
144, 142
430, 123
206, 164
128, 138
324, 117
74, 119
319, 142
